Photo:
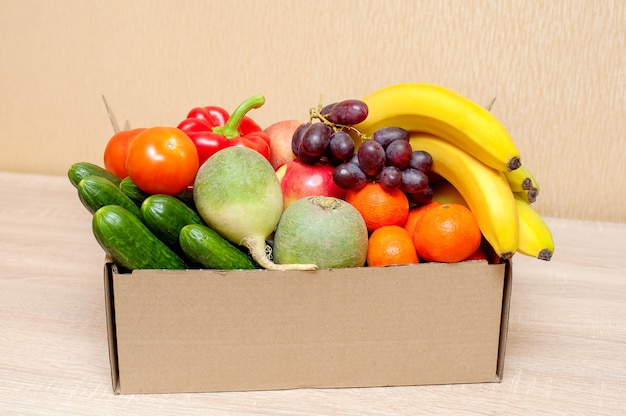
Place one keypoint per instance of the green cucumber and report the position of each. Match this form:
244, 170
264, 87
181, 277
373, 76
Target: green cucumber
166, 215
209, 249
81, 170
135, 193
129, 242
95, 192
132, 190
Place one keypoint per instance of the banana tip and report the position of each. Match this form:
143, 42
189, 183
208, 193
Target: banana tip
545, 255
506, 255
514, 163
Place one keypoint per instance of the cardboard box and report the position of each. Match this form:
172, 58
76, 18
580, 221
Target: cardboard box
207, 330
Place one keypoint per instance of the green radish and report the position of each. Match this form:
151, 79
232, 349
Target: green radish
238, 194
323, 230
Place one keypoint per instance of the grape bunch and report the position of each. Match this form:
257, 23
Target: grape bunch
387, 157
329, 137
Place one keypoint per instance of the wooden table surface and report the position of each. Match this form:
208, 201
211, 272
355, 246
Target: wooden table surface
566, 351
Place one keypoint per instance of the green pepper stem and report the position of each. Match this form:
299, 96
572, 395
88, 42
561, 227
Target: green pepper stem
231, 127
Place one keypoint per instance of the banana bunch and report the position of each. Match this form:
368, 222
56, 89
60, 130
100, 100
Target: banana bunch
473, 151
523, 184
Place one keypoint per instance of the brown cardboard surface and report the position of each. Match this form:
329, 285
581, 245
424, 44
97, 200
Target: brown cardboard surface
203, 330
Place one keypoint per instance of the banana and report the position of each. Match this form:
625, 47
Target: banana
484, 189
535, 238
444, 113
445, 193
529, 195
521, 179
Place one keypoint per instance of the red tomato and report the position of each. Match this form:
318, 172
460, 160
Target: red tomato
162, 160
117, 149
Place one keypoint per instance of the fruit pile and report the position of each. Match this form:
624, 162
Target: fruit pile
410, 173
475, 154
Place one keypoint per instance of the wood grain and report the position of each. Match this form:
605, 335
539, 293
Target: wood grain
565, 352
556, 69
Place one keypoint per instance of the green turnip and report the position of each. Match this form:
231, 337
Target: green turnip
238, 194
325, 231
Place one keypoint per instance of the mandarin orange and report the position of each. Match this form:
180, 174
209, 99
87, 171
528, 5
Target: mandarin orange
447, 233
378, 206
391, 245
415, 214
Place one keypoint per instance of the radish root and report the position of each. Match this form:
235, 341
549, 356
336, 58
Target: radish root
257, 248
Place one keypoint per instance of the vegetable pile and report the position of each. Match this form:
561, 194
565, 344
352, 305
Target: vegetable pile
202, 194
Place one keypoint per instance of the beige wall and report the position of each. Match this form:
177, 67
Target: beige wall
557, 68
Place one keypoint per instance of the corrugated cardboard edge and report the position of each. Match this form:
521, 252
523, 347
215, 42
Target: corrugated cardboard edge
504, 319
110, 315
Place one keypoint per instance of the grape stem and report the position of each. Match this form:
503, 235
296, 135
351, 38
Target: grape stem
315, 112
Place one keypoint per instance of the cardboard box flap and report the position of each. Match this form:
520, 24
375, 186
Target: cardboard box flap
109, 271
504, 321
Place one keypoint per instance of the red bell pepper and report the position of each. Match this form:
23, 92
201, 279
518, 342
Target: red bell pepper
212, 129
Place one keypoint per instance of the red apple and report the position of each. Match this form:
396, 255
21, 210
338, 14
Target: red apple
280, 141
298, 180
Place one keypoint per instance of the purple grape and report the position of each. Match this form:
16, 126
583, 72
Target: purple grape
296, 139
413, 181
421, 198
331, 158
341, 146
325, 111
386, 135
371, 158
315, 140
421, 160
398, 154
349, 176
348, 112
390, 178
309, 160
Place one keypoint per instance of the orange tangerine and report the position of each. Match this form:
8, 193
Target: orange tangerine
415, 214
447, 233
378, 206
391, 245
